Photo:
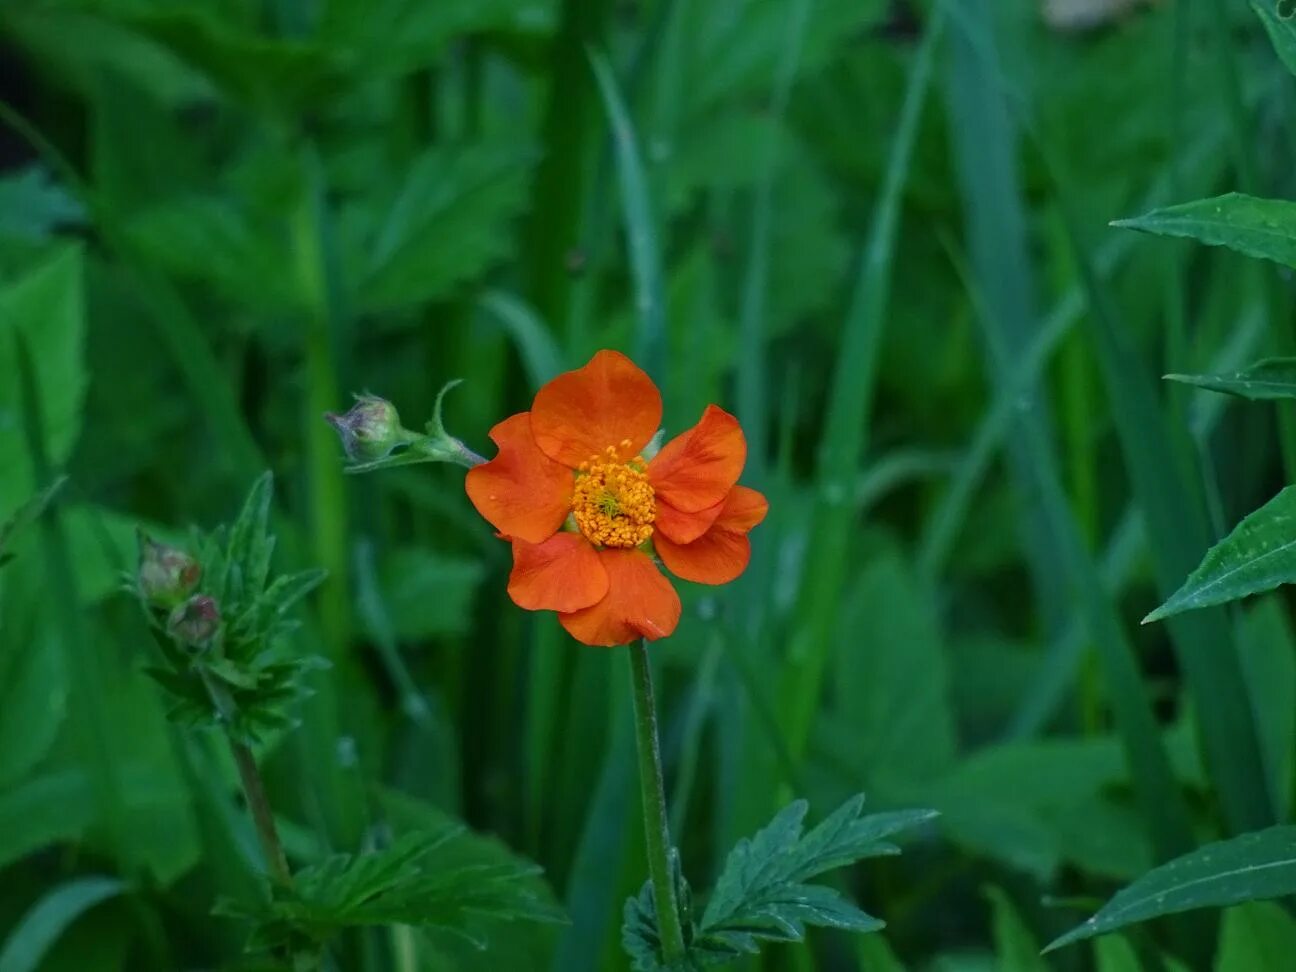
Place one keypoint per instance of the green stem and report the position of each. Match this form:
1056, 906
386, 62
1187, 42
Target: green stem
253, 787
656, 829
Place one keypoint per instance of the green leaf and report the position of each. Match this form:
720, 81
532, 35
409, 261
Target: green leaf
27, 514
217, 241
42, 811
1272, 378
761, 896
42, 925
33, 703
535, 344
1018, 951
1264, 228
1267, 649
406, 883
1116, 954
33, 207
445, 223
893, 707
642, 244
1255, 866
46, 309
427, 593
1281, 31
387, 38
1257, 556
1260, 935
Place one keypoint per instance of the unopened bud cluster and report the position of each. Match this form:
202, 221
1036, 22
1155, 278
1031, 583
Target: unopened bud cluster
167, 579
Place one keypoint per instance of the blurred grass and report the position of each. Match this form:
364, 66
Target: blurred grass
876, 231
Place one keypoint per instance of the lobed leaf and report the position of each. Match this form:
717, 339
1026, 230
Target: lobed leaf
1257, 556
761, 896
1253, 867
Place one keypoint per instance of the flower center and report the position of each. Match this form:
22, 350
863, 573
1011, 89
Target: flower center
613, 501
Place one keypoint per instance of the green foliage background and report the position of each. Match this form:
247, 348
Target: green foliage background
884, 246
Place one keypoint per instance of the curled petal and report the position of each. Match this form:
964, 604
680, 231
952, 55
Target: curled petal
581, 413
698, 468
562, 574
684, 527
640, 603
722, 553
521, 492
743, 509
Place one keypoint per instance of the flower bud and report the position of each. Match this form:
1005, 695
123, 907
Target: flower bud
166, 576
195, 621
370, 430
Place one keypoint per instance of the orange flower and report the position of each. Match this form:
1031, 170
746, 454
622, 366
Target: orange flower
586, 513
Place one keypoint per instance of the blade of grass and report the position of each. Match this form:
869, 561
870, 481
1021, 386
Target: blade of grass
1156, 460
564, 174
640, 228
39, 929
752, 380
1165, 813
591, 899
985, 143
328, 516
1062, 659
846, 425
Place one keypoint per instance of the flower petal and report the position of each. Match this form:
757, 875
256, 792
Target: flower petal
521, 492
580, 413
562, 574
744, 508
684, 527
697, 468
640, 603
722, 553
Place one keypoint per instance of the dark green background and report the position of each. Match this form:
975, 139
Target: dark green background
219, 218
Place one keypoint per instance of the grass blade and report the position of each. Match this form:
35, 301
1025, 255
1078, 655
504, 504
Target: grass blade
41, 926
846, 425
640, 229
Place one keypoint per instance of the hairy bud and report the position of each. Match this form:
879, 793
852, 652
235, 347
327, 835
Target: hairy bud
195, 621
370, 430
166, 575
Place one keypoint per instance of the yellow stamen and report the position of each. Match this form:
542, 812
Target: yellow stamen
613, 501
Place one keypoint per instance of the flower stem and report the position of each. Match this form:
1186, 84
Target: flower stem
656, 829
253, 787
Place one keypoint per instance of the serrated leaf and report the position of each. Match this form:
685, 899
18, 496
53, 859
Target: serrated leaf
447, 222
1257, 556
415, 881
1272, 378
1264, 228
1253, 867
761, 896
